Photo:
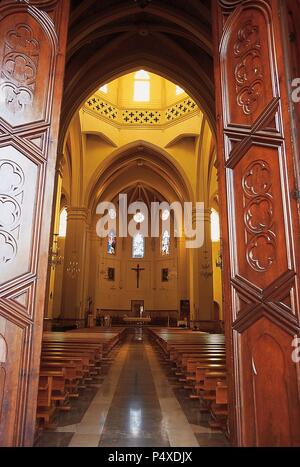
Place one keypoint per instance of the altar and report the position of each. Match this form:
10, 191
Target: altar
139, 322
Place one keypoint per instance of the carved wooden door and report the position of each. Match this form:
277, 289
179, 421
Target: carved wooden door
32, 49
260, 227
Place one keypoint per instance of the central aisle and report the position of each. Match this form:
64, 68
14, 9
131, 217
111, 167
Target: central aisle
135, 417
134, 406
144, 410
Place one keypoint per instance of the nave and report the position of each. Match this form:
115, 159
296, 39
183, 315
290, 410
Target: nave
137, 401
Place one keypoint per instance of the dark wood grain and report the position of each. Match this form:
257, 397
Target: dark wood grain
32, 49
259, 223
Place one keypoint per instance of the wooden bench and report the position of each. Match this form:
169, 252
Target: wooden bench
198, 362
70, 361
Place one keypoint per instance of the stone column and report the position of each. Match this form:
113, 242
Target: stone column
182, 270
93, 273
205, 272
122, 267
154, 246
73, 302
200, 271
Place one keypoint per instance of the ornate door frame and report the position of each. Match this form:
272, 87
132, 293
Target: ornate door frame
261, 256
260, 224
32, 55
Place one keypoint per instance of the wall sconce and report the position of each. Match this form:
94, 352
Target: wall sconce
55, 259
219, 261
73, 268
206, 271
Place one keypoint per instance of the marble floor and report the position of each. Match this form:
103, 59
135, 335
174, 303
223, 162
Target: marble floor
137, 403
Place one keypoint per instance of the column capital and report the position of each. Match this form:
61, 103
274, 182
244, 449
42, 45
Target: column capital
77, 213
202, 214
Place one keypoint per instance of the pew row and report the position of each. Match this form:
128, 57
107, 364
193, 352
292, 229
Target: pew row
198, 363
70, 362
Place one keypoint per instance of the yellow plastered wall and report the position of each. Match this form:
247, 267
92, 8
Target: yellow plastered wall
216, 246
120, 92
102, 139
217, 276
117, 294
126, 92
58, 284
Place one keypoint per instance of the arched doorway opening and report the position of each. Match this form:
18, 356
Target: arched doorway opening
252, 99
153, 161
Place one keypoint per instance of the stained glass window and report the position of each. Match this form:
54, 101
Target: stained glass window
165, 243
215, 226
111, 243
63, 223
138, 246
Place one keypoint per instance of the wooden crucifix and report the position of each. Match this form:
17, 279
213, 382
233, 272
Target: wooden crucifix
138, 270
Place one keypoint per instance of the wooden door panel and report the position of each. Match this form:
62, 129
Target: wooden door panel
290, 12
258, 208
260, 227
19, 179
32, 50
246, 59
28, 52
271, 379
15, 334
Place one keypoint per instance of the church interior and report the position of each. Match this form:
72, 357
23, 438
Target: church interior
142, 340
143, 136
158, 149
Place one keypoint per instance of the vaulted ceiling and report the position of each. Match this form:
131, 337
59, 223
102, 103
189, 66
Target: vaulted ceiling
108, 38
138, 166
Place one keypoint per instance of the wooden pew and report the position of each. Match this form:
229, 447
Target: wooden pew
45, 406
69, 362
198, 360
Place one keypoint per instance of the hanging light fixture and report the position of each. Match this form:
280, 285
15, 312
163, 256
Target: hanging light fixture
219, 261
206, 266
55, 259
139, 216
73, 267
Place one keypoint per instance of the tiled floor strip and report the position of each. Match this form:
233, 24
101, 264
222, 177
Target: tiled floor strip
135, 417
136, 405
179, 430
88, 431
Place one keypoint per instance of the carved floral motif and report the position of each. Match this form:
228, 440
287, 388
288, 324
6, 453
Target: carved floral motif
11, 196
19, 67
259, 216
248, 73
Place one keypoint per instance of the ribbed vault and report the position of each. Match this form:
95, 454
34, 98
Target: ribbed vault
139, 165
114, 37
